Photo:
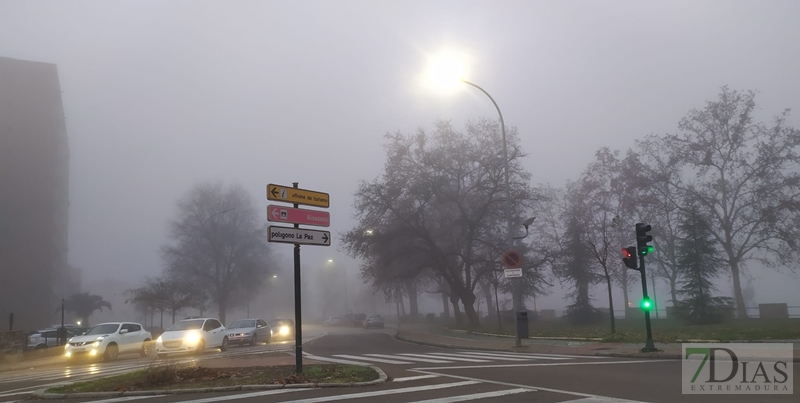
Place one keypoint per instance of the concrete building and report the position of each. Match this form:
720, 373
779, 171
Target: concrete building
34, 193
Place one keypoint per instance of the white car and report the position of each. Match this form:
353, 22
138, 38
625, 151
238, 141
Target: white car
109, 340
192, 336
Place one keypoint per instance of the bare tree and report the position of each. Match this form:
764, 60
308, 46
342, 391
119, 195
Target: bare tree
218, 244
441, 196
746, 181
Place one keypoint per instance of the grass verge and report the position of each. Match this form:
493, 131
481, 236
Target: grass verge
664, 330
173, 377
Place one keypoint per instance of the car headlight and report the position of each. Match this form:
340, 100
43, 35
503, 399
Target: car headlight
66, 346
100, 338
95, 344
192, 338
158, 340
284, 330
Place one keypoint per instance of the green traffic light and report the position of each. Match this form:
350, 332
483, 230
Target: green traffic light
647, 304
648, 250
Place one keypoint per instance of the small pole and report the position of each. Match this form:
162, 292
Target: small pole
10, 322
61, 331
648, 346
298, 333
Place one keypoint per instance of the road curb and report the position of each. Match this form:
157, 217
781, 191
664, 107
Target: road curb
508, 336
42, 394
603, 354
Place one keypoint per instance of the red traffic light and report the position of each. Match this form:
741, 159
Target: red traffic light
626, 254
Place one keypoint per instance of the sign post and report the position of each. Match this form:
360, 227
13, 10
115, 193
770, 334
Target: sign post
298, 236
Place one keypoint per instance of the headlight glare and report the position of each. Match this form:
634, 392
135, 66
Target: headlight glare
158, 340
192, 338
95, 344
284, 330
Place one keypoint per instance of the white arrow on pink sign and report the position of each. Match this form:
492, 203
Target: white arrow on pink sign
298, 216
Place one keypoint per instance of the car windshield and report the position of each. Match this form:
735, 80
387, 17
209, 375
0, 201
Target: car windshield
276, 323
104, 329
239, 324
186, 325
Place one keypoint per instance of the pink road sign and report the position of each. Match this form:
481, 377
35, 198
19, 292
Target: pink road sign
298, 216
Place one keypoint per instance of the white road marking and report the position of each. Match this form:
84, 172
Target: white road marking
385, 361
327, 359
414, 378
378, 393
475, 396
432, 361
125, 399
243, 395
544, 365
602, 400
459, 357
516, 385
516, 355
496, 357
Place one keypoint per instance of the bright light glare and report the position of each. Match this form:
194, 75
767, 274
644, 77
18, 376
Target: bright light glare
330, 260
446, 73
284, 330
192, 338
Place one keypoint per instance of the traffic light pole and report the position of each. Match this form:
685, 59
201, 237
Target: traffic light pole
648, 346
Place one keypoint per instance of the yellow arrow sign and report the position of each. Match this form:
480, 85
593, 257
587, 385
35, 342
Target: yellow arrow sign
300, 196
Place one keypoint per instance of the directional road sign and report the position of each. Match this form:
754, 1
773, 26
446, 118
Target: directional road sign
298, 236
290, 194
298, 216
512, 273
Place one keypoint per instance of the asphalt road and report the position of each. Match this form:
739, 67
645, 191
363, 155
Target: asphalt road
15, 385
423, 374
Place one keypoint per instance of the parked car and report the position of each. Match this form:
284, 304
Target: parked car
192, 336
111, 339
357, 320
249, 331
373, 321
48, 338
332, 321
282, 329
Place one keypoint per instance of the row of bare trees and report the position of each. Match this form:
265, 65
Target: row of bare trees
217, 254
433, 221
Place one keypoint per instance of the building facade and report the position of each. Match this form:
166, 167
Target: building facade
34, 193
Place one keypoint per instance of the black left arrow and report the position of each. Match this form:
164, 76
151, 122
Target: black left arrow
274, 192
325, 237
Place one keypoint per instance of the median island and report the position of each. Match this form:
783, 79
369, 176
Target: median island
173, 377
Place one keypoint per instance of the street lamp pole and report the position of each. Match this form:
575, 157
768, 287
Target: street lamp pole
515, 291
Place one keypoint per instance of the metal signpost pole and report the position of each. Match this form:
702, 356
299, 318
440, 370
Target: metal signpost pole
298, 332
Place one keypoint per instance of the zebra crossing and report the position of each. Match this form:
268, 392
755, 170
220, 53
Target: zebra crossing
457, 357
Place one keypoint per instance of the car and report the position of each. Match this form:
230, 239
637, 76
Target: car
110, 339
249, 331
357, 319
282, 329
192, 336
373, 321
332, 321
48, 338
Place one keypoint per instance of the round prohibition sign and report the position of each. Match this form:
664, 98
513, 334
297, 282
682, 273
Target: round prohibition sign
511, 259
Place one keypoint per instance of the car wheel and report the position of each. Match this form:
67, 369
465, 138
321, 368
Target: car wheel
111, 353
161, 355
201, 345
254, 340
147, 348
224, 345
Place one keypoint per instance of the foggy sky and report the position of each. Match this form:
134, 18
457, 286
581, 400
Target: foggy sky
162, 95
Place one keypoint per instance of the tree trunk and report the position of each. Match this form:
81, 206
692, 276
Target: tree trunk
673, 280
610, 302
162, 318
625, 296
173, 316
222, 309
445, 307
411, 289
456, 310
487, 295
469, 309
741, 309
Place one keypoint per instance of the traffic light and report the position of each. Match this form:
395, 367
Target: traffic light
642, 239
647, 304
629, 257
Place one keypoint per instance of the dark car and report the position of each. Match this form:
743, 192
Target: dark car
282, 329
373, 321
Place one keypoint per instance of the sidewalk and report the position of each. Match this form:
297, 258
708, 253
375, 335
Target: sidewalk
441, 337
